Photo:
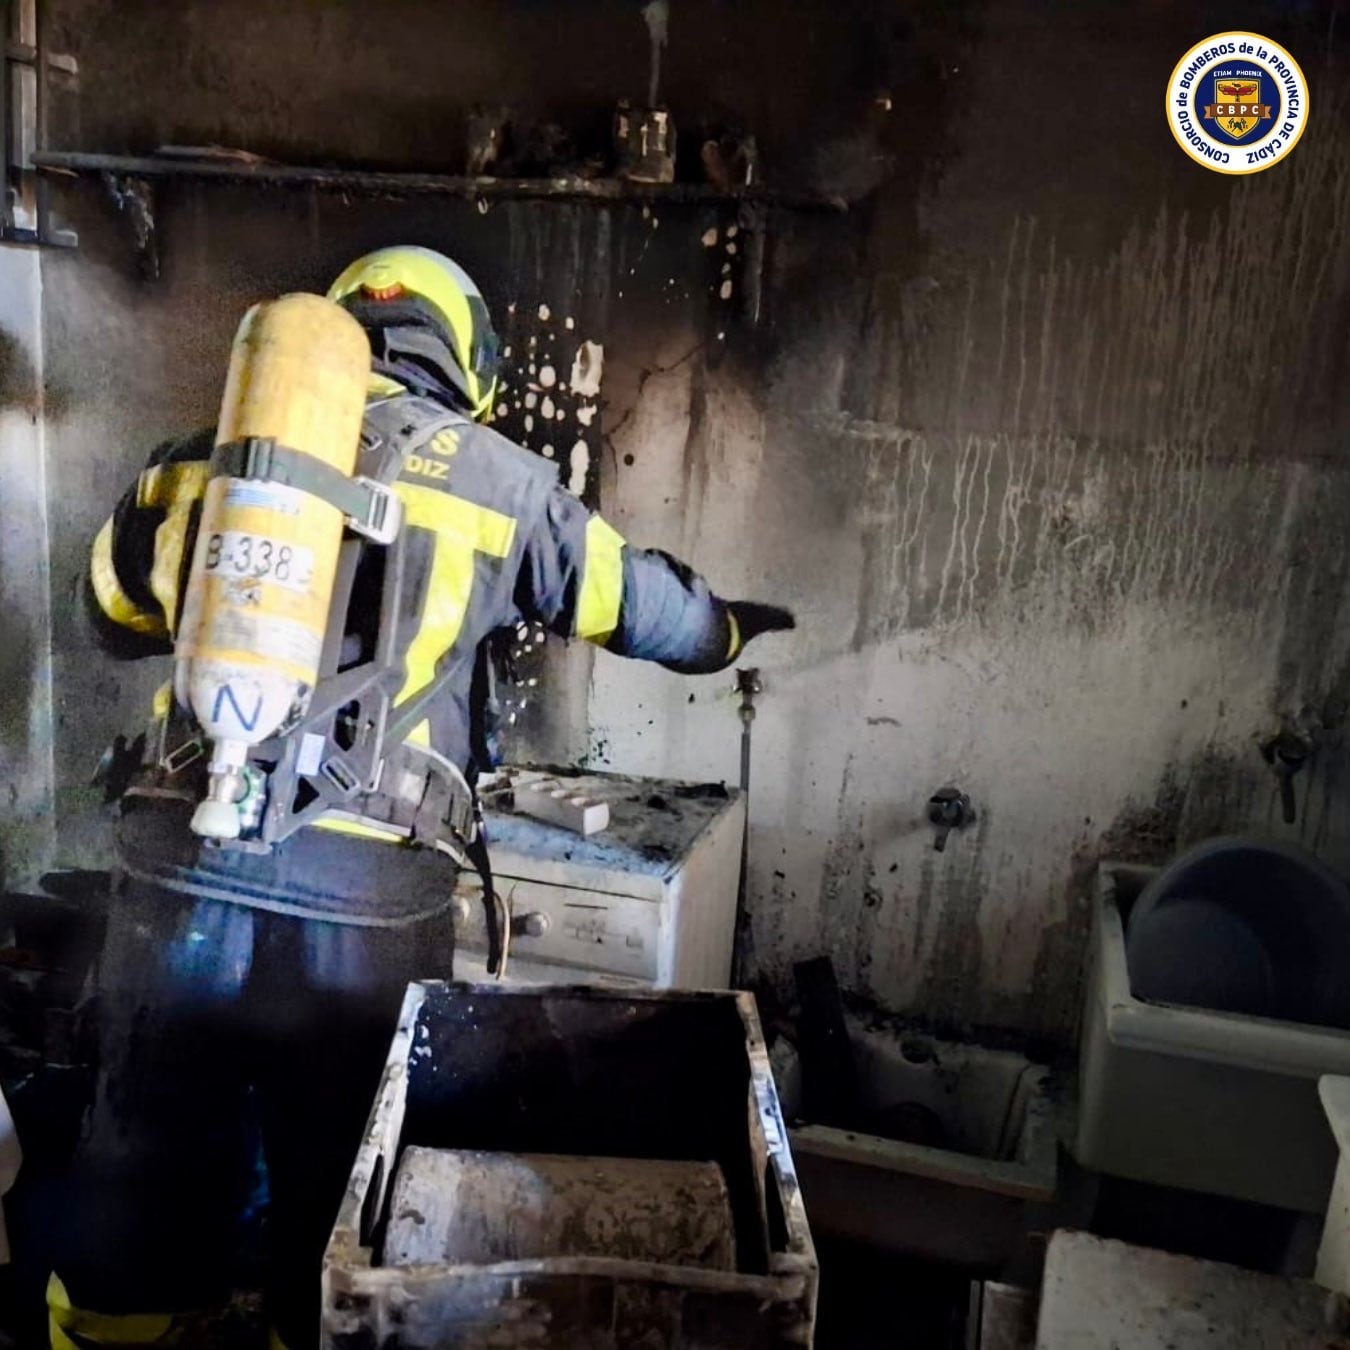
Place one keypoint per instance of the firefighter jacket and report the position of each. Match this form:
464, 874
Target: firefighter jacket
492, 541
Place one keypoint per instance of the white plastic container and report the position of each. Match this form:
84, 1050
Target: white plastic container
10, 1158
1207, 1101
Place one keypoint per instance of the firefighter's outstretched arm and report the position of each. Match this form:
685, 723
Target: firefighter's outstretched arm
581, 579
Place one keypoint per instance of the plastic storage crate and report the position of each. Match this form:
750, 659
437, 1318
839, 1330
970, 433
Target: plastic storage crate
587, 1071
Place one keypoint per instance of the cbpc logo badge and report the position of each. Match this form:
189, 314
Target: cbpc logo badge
1237, 103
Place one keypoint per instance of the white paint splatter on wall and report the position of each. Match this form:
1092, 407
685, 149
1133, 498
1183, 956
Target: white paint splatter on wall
579, 462
545, 401
587, 368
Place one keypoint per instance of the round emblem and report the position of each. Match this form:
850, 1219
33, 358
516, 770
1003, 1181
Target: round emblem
1237, 103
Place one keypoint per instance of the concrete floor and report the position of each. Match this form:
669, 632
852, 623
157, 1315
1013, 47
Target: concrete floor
1105, 1295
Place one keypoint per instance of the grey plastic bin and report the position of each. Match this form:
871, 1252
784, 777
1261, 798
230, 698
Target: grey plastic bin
1215, 1102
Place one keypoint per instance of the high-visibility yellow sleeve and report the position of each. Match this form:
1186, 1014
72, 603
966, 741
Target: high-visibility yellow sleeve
112, 598
601, 582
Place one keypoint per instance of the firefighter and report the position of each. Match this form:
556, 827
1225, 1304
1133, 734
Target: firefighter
246, 991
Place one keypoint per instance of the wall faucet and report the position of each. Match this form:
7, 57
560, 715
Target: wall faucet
949, 809
1287, 752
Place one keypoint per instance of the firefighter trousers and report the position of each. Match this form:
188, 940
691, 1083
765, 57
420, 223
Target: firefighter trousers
213, 1015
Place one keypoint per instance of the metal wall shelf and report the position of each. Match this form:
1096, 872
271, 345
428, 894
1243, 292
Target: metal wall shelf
376, 183
130, 182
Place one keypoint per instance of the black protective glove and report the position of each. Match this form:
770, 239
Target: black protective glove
753, 619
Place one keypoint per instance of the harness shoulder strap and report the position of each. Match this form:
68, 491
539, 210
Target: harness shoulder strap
395, 428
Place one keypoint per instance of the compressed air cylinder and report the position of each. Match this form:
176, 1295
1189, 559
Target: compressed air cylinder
257, 599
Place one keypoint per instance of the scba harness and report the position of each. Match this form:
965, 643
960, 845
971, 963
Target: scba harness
348, 758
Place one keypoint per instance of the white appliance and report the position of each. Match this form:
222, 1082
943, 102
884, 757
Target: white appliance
10, 1158
650, 901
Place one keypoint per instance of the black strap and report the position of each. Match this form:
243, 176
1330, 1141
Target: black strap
431, 813
477, 854
259, 457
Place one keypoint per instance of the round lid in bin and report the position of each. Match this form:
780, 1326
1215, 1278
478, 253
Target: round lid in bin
1245, 926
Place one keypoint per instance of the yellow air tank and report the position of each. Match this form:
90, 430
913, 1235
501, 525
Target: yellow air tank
256, 605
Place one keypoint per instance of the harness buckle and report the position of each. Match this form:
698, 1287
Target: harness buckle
382, 511
178, 759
